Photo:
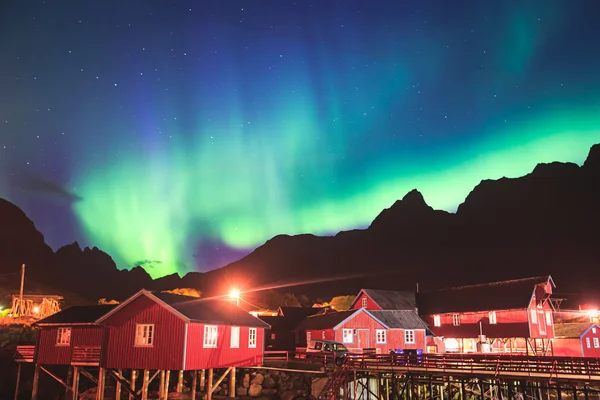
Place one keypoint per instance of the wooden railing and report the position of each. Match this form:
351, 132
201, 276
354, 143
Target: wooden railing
24, 353
86, 355
277, 355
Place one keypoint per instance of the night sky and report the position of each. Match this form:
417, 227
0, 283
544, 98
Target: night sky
180, 135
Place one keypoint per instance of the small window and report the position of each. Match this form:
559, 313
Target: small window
492, 317
211, 332
308, 337
533, 314
596, 343
587, 342
593, 329
64, 337
273, 336
409, 336
323, 335
252, 338
144, 335
437, 321
235, 337
456, 319
364, 302
548, 318
347, 336
381, 336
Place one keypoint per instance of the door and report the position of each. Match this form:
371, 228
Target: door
363, 339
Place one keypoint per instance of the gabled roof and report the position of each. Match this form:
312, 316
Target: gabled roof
193, 309
389, 299
504, 295
398, 319
572, 330
77, 315
328, 320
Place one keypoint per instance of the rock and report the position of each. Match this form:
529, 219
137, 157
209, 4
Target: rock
258, 379
241, 391
289, 395
269, 392
246, 381
269, 383
254, 390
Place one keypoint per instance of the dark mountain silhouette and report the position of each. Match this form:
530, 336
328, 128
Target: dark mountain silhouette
546, 222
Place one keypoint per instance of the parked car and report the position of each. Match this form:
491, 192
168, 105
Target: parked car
322, 348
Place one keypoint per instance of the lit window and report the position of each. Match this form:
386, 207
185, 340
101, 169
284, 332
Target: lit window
492, 316
211, 332
593, 329
323, 335
437, 320
409, 336
347, 336
308, 337
456, 319
381, 336
273, 336
64, 337
596, 343
548, 318
252, 338
533, 314
144, 334
364, 302
587, 342
235, 337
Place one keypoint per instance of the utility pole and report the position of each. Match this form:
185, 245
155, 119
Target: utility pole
21, 293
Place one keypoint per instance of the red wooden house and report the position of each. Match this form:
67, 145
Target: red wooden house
169, 332
381, 330
507, 316
374, 299
576, 340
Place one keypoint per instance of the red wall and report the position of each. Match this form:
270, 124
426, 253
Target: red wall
198, 357
318, 334
534, 329
592, 351
49, 353
169, 329
510, 323
567, 347
371, 305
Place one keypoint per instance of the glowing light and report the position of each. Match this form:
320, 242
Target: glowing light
36, 310
592, 313
235, 294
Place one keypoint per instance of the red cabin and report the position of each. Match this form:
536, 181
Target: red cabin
577, 340
507, 316
169, 332
372, 299
360, 329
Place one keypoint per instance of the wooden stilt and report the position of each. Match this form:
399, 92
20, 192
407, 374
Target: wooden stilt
161, 389
209, 385
69, 380
118, 386
101, 381
167, 378
194, 384
202, 380
18, 379
145, 384
75, 383
180, 382
232, 382
133, 378
36, 382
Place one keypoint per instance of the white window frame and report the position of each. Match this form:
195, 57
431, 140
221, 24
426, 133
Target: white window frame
347, 335
211, 336
144, 335
456, 319
364, 302
588, 344
380, 336
548, 318
234, 343
323, 335
252, 338
409, 336
437, 320
533, 315
492, 317
63, 337
596, 343
308, 337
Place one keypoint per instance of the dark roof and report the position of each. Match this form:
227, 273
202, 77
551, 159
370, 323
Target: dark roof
217, 311
325, 321
77, 315
392, 300
399, 319
571, 330
504, 295
172, 298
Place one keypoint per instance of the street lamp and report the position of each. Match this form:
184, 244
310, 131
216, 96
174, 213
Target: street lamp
235, 294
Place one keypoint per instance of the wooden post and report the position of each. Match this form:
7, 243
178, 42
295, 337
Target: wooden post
180, 382
75, 387
69, 380
20, 314
18, 379
194, 384
232, 382
202, 380
209, 385
161, 389
145, 384
36, 382
133, 378
118, 386
167, 378
101, 381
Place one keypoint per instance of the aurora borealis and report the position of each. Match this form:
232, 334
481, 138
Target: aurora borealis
182, 135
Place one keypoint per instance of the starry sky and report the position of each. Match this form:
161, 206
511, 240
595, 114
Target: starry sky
181, 135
